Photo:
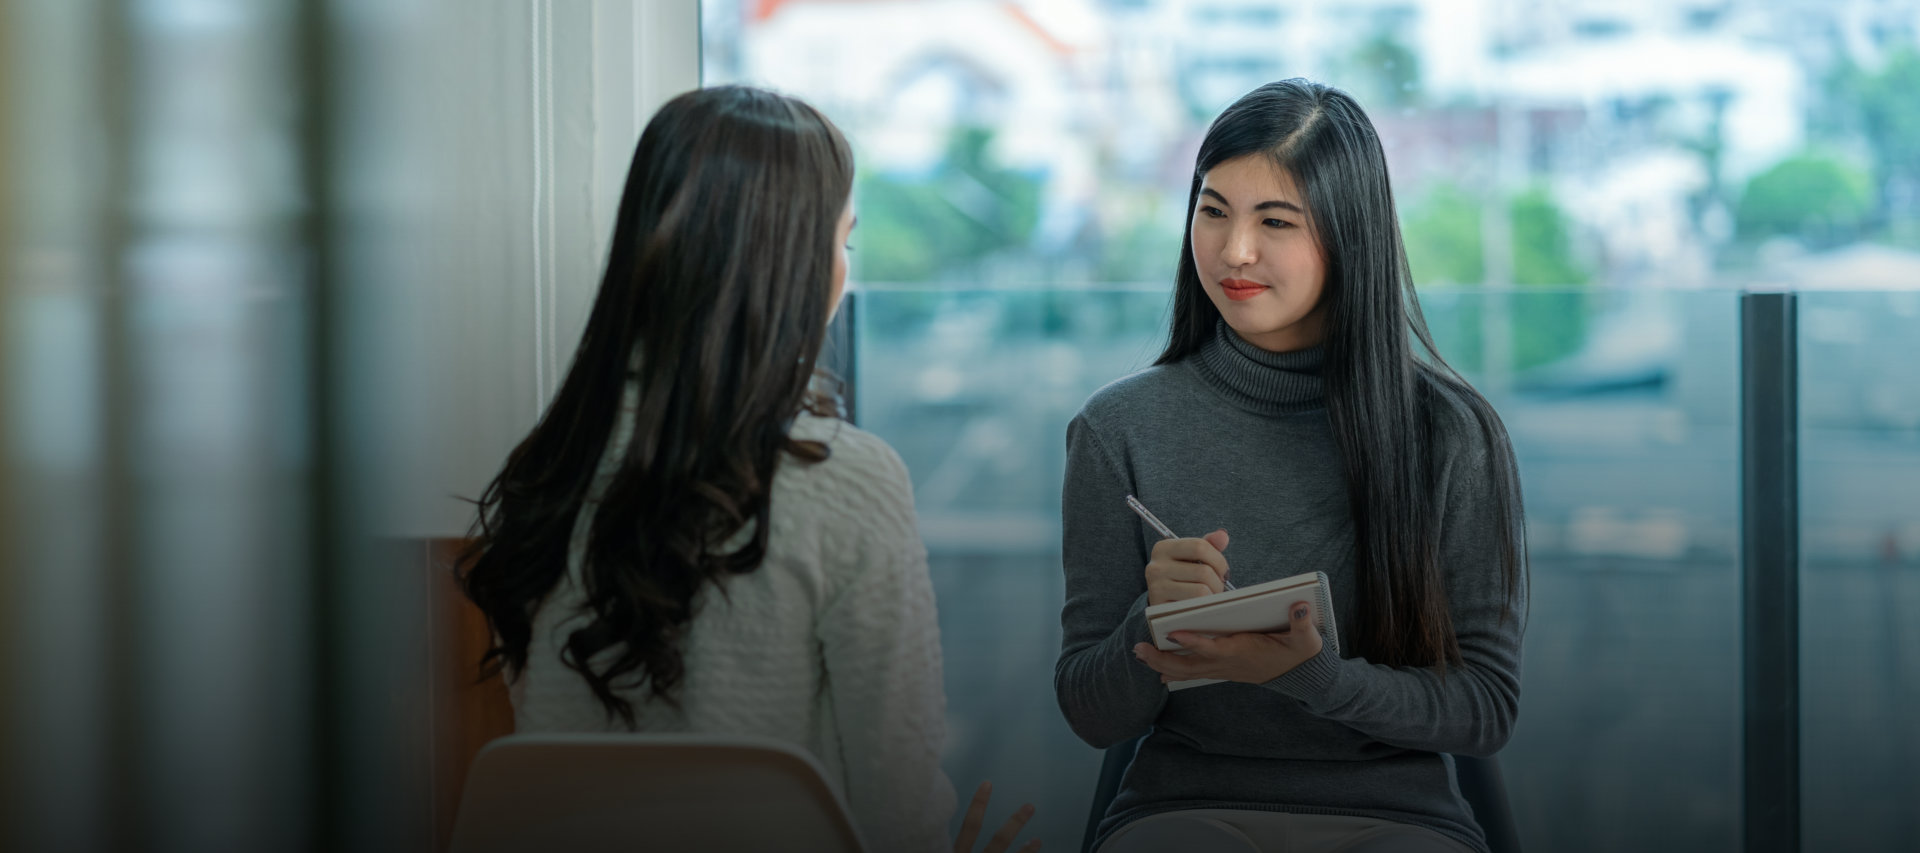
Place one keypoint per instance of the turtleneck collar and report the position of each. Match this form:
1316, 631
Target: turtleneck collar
1275, 383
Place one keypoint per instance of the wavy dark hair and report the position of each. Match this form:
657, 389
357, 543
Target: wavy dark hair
1384, 398
715, 302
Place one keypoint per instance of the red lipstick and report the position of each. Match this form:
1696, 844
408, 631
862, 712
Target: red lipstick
1240, 289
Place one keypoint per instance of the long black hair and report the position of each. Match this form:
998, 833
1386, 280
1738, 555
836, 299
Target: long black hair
715, 303
1384, 399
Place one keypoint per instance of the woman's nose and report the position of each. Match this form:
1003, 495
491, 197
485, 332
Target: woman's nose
1239, 249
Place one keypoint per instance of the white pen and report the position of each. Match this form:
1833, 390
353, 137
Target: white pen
1162, 529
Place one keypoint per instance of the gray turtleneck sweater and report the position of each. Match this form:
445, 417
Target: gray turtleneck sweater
1235, 437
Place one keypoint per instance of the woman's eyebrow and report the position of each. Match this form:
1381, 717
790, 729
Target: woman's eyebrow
1265, 205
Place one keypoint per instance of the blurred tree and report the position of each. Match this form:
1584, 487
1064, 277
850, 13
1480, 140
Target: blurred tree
1816, 198
1542, 243
944, 225
1442, 233
1889, 103
1879, 107
1551, 324
1388, 71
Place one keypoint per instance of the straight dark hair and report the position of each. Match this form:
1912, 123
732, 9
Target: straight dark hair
1383, 399
714, 303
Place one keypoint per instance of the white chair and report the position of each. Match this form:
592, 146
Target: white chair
624, 792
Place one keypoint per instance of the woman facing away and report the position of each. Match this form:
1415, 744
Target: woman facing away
691, 540
1291, 409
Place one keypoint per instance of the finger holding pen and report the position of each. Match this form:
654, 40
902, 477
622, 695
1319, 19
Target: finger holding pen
1183, 568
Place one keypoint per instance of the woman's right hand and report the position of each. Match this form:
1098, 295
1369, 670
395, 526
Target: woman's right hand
1187, 568
977, 814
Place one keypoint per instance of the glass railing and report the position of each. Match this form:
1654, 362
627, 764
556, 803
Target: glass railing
1860, 569
1623, 411
1628, 441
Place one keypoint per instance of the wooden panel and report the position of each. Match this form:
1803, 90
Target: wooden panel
467, 712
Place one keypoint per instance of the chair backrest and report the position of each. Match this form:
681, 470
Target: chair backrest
1112, 768
1484, 788
591, 793
1481, 785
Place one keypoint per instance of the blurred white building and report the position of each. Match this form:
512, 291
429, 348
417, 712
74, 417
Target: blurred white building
912, 71
1644, 117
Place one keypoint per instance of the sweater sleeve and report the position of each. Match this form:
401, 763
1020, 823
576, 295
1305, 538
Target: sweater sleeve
1472, 709
1106, 694
880, 638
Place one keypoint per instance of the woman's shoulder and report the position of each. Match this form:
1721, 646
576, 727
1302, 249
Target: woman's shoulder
857, 501
1122, 399
1464, 423
850, 448
861, 470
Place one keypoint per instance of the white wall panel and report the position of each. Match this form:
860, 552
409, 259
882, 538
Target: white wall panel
520, 135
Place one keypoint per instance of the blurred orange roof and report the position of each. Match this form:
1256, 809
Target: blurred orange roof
764, 9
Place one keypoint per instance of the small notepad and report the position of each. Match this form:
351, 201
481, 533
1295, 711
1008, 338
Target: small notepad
1260, 608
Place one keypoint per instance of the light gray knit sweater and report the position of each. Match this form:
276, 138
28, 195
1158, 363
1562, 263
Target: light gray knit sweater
832, 644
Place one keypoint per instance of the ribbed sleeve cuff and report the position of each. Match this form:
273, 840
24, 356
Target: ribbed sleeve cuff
1312, 679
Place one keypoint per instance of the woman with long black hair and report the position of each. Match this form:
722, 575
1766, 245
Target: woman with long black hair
1292, 409
691, 539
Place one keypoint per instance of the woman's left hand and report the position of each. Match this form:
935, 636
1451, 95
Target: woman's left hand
1247, 658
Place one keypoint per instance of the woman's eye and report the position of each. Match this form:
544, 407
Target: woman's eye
1212, 212
1277, 223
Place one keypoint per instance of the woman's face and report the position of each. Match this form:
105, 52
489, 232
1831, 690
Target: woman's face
841, 235
1257, 260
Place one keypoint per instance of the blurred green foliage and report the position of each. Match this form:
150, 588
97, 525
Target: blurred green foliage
1445, 246
1815, 197
943, 225
1442, 233
1877, 109
1888, 101
1542, 242
1388, 72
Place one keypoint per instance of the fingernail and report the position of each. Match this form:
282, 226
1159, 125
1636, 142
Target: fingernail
1300, 614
